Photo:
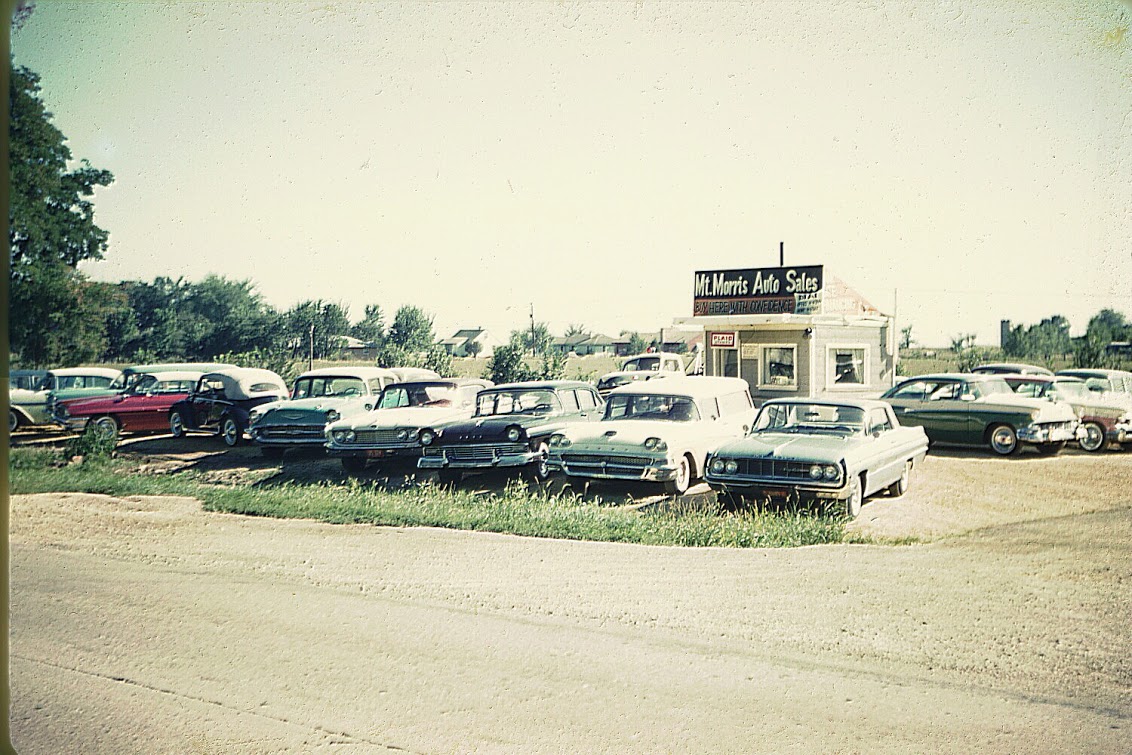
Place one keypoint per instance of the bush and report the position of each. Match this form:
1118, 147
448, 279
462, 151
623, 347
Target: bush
90, 445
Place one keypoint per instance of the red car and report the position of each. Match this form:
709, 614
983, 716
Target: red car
144, 407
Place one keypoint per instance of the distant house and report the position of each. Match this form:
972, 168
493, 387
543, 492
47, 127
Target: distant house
674, 340
355, 348
475, 342
583, 344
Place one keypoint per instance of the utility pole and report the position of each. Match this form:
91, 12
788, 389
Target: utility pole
310, 354
534, 352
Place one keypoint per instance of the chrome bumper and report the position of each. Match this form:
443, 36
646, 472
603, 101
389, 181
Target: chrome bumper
1053, 433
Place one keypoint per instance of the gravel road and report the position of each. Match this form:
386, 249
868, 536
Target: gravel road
146, 625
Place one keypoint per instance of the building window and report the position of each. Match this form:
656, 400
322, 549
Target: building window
779, 368
846, 366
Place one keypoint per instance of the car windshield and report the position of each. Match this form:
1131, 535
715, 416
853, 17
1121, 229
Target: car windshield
651, 406
327, 386
396, 396
539, 401
991, 387
810, 418
1068, 391
642, 364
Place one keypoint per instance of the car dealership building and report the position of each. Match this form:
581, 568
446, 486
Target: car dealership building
793, 331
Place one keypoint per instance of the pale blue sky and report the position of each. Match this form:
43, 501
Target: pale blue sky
473, 159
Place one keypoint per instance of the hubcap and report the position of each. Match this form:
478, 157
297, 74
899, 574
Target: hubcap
1094, 438
1003, 440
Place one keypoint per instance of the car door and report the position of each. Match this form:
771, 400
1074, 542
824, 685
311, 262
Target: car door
885, 459
936, 405
200, 403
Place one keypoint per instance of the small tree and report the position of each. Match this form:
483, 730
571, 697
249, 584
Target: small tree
411, 329
473, 348
506, 366
906, 337
637, 344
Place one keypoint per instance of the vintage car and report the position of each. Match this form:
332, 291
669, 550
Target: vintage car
658, 432
981, 410
143, 407
1010, 368
221, 400
124, 382
641, 367
510, 429
318, 398
28, 380
410, 374
1102, 381
390, 432
27, 408
1106, 417
842, 450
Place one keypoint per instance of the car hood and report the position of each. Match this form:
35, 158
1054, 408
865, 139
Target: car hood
403, 416
624, 433
19, 396
828, 449
495, 427
303, 406
69, 394
1048, 411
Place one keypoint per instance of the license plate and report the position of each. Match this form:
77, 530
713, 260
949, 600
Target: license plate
375, 453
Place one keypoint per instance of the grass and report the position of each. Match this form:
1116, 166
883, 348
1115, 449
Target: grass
515, 510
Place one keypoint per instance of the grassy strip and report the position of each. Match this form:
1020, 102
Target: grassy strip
514, 511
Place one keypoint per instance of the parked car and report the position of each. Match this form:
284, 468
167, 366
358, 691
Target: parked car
390, 432
641, 367
409, 374
318, 398
27, 408
657, 432
841, 450
1102, 381
144, 407
510, 429
981, 410
221, 400
125, 381
1010, 368
28, 380
1106, 417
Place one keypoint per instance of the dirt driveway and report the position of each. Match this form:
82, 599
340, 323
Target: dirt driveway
147, 625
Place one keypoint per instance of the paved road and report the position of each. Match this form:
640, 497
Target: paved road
145, 625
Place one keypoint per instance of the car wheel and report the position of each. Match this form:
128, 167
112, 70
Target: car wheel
900, 487
230, 432
1051, 449
177, 424
449, 476
1094, 438
1003, 440
272, 452
13, 421
679, 484
538, 470
354, 464
104, 427
856, 498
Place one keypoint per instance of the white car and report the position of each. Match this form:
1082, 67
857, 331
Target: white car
646, 366
390, 431
658, 432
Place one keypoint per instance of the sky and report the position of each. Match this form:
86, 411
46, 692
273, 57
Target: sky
957, 163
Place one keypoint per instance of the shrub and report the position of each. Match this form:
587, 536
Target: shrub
90, 445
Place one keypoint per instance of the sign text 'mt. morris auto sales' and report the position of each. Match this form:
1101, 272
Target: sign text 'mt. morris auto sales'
765, 291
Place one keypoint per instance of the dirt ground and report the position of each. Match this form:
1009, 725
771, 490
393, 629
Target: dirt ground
147, 625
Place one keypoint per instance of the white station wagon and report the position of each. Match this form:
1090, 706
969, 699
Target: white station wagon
659, 431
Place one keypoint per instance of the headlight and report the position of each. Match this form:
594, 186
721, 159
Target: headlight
716, 465
514, 433
405, 433
816, 471
830, 472
558, 441
427, 437
332, 415
655, 444
731, 467
344, 436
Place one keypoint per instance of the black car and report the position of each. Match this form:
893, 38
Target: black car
220, 402
510, 429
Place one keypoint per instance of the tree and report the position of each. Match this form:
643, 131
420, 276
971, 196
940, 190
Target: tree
906, 337
576, 329
51, 230
534, 340
226, 316
411, 329
637, 344
506, 366
371, 328
315, 328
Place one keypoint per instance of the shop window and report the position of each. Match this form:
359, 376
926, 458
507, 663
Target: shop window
847, 365
779, 367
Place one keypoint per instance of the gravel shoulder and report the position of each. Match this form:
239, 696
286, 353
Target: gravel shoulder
147, 625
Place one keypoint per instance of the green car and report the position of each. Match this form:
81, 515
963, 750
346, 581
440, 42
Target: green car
967, 409
28, 408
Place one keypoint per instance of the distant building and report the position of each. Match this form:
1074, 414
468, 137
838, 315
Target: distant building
475, 342
583, 344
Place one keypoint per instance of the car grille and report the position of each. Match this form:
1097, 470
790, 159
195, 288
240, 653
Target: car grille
384, 438
609, 465
292, 432
482, 454
1067, 426
771, 469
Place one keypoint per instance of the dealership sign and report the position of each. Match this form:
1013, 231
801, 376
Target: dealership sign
724, 340
763, 291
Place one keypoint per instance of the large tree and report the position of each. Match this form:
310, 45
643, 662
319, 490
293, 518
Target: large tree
411, 330
51, 230
316, 328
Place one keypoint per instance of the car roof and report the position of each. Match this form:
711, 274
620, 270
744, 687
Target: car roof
531, 385
686, 385
1012, 367
969, 376
859, 403
362, 372
172, 366
460, 381
241, 379
1093, 372
83, 371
